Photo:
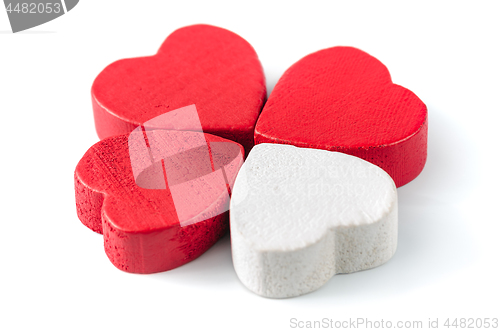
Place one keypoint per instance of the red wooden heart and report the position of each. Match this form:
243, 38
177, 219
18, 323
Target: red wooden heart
342, 99
201, 64
159, 197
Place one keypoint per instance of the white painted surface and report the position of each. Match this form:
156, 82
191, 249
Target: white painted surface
54, 270
299, 216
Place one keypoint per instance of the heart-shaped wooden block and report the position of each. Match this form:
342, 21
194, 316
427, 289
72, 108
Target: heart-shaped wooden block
342, 99
299, 216
157, 187
159, 197
210, 67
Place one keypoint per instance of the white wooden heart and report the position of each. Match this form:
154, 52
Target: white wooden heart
299, 216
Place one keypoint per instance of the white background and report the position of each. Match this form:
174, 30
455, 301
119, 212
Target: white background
54, 274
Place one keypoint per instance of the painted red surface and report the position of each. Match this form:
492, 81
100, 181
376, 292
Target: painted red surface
151, 230
342, 99
158, 188
210, 67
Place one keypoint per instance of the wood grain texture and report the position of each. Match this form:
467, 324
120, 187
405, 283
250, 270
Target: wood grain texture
144, 230
200, 64
342, 99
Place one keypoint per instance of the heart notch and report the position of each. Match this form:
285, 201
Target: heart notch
343, 99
